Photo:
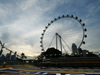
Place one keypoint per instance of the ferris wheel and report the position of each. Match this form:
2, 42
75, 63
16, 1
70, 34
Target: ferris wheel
62, 32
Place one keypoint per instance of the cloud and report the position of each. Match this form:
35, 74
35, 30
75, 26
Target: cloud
22, 22
92, 25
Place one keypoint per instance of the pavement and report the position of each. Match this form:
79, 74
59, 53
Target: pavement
32, 70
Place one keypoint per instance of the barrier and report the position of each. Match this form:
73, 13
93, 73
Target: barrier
2, 66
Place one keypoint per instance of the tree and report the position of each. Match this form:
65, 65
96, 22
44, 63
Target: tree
23, 56
52, 53
90, 54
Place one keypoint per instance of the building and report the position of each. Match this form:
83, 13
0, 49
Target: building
8, 56
74, 49
13, 57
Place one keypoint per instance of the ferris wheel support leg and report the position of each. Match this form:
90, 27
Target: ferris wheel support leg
56, 42
60, 43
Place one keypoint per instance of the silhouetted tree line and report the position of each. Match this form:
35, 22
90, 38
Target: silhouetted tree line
55, 53
90, 54
52, 53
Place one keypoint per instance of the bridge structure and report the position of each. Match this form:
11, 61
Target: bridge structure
9, 58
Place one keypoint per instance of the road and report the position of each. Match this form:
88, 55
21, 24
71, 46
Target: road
32, 70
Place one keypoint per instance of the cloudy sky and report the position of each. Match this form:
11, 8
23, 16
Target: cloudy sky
23, 21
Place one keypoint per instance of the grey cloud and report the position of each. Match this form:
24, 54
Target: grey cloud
22, 22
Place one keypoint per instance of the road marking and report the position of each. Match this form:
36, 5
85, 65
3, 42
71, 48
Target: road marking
67, 74
37, 73
44, 73
28, 72
58, 73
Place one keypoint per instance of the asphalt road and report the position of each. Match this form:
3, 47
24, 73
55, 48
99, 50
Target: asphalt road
32, 70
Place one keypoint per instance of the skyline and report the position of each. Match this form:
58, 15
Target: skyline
22, 22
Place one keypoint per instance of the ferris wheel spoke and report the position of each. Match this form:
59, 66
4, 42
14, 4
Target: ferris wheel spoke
51, 41
64, 49
66, 43
70, 28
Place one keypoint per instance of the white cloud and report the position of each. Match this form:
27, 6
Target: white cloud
27, 28
23, 22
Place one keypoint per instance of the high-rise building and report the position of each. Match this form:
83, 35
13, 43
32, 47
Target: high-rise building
2, 57
13, 57
1, 52
8, 56
74, 49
